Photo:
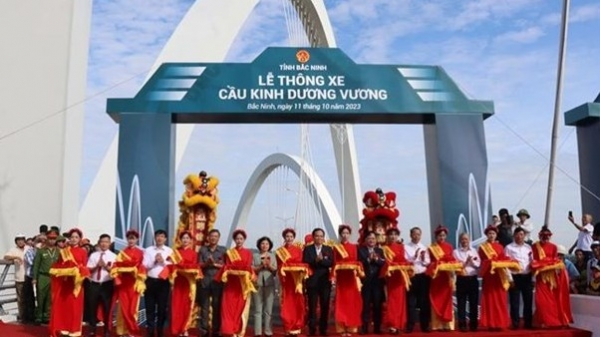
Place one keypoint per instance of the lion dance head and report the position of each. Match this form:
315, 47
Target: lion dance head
379, 215
198, 207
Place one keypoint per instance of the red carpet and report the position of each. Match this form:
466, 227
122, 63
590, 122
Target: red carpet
16, 330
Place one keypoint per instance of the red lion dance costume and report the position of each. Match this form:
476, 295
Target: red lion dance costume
379, 215
198, 208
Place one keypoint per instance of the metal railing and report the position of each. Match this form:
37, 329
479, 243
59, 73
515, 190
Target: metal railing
7, 286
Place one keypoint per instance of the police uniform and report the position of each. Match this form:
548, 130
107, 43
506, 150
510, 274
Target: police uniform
44, 258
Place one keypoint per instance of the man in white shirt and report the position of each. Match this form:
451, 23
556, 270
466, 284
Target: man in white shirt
522, 281
418, 294
467, 285
101, 287
524, 223
16, 255
156, 297
584, 238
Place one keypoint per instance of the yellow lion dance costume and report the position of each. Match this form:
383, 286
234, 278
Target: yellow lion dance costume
198, 208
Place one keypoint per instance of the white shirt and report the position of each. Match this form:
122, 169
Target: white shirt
521, 253
318, 249
153, 268
527, 226
19, 267
99, 274
462, 254
412, 249
584, 238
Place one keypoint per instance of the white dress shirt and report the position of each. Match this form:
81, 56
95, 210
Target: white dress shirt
527, 226
153, 268
17, 252
462, 254
521, 253
100, 275
584, 238
414, 249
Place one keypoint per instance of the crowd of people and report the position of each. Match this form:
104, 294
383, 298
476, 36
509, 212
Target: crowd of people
396, 285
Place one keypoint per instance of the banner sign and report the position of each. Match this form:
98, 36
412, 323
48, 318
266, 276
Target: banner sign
289, 82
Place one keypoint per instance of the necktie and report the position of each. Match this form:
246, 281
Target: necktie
99, 272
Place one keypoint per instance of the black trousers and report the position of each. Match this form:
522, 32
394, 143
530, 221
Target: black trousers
86, 300
320, 294
523, 287
29, 300
418, 297
467, 289
214, 290
156, 299
99, 294
372, 296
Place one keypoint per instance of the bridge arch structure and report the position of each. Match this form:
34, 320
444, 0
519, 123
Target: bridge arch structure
201, 26
313, 184
186, 92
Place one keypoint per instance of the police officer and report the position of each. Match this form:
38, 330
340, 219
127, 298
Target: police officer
44, 258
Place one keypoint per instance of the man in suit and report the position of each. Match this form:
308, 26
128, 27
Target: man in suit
320, 259
372, 260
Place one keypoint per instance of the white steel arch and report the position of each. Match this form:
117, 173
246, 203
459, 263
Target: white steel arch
314, 184
204, 25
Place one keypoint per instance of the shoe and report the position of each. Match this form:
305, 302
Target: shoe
426, 330
409, 329
463, 329
393, 331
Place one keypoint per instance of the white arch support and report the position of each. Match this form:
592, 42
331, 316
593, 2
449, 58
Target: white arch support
314, 184
318, 29
203, 25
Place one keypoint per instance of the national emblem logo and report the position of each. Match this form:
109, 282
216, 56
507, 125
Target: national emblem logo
302, 56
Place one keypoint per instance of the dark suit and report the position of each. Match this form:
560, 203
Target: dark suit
318, 286
372, 288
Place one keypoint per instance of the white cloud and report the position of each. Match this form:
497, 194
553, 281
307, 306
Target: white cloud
585, 13
527, 35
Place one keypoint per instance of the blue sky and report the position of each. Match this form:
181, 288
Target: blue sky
501, 50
